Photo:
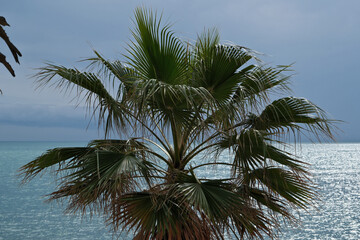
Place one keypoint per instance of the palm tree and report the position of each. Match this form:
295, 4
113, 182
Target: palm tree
178, 109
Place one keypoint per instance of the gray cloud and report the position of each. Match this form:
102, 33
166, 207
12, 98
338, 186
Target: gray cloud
320, 36
42, 115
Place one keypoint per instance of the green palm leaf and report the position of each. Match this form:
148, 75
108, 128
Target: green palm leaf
155, 52
252, 149
95, 173
110, 112
289, 112
285, 183
154, 215
264, 198
115, 71
257, 81
56, 156
225, 207
212, 197
216, 65
177, 102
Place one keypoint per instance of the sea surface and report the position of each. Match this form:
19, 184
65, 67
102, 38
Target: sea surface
24, 215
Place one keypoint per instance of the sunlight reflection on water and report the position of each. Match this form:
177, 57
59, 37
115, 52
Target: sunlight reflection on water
24, 215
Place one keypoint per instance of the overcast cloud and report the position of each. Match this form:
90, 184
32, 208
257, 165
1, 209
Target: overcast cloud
321, 37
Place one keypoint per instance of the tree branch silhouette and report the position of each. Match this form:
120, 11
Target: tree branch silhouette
15, 52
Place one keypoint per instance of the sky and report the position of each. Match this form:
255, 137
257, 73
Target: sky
321, 38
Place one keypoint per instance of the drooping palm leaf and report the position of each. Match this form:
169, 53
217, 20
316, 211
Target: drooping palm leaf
227, 209
56, 156
257, 80
289, 113
110, 112
154, 215
104, 169
285, 183
115, 71
252, 148
266, 199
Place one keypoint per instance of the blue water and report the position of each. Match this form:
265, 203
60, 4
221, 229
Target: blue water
24, 215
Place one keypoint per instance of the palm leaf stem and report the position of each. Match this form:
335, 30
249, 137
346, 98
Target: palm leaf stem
216, 134
160, 130
189, 130
195, 152
166, 146
194, 137
213, 163
159, 168
106, 64
151, 176
176, 141
157, 145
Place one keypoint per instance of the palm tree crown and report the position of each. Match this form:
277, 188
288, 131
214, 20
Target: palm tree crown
177, 108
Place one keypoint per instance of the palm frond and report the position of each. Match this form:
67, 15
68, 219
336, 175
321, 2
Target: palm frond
291, 113
53, 157
257, 82
252, 149
265, 199
154, 215
284, 183
92, 175
109, 112
119, 75
155, 52
166, 101
225, 207
215, 65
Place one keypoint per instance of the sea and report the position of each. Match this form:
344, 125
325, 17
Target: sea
24, 214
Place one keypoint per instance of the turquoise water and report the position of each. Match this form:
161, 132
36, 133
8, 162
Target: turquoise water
24, 215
